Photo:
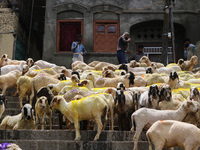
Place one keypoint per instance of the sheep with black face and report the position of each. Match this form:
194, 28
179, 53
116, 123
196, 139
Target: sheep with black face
2, 104
124, 107
24, 120
150, 99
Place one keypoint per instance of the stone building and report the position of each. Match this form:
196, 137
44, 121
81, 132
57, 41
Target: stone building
102, 22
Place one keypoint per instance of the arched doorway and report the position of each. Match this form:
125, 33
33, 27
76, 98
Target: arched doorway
149, 34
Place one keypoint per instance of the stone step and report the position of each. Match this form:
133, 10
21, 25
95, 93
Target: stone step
76, 145
79, 145
86, 135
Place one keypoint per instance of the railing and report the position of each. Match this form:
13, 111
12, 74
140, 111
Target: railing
156, 50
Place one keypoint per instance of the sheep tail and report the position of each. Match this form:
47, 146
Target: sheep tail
150, 147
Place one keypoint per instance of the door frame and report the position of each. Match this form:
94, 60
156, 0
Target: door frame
104, 22
58, 32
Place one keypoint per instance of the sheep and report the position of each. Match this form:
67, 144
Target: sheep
56, 88
9, 146
81, 65
24, 120
79, 110
173, 80
42, 110
124, 107
171, 133
6, 69
145, 59
134, 64
145, 117
128, 80
30, 62
100, 66
9, 80
44, 64
3, 104
155, 78
194, 94
189, 64
93, 63
3, 60
23, 88
40, 81
150, 99
166, 101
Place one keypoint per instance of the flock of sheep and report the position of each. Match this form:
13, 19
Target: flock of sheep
139, 95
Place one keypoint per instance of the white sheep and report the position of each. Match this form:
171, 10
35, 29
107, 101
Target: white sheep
171, 133
150, 99
9, 80
42, 110
89, 108
127, 80
6, 69
24, 120
145, 117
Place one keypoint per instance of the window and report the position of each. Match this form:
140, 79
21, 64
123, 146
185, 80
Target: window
101, 29
111, 29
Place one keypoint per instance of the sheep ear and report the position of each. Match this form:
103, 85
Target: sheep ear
32, 113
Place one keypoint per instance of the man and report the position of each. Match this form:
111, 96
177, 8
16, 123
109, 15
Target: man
139, 54
121, 48
78, 49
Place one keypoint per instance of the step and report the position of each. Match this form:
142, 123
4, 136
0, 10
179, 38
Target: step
79, 145
86, 135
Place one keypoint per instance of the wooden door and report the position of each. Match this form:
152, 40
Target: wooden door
67, 30
106, 35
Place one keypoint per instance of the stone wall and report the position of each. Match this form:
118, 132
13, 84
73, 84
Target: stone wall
8, 26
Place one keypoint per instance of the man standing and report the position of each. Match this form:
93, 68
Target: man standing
78, 49
121, 48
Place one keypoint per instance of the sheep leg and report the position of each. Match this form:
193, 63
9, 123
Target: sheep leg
136, 137
50, 122
21, 95
99, 128
43, 121
111, 120
15, 94
77, 129
37, 121
4, 90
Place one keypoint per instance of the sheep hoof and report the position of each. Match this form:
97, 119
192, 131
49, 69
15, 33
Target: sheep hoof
132, 129
77, 139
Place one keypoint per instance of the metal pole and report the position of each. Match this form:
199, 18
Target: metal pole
29, 36
172, 30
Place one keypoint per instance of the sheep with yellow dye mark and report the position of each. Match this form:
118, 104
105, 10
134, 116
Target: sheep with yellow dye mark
89, 108
184, 92
156, 78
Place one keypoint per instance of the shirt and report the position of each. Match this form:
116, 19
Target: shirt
78, 49
122, 44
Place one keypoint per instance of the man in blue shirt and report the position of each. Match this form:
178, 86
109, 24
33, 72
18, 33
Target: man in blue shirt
78, 49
